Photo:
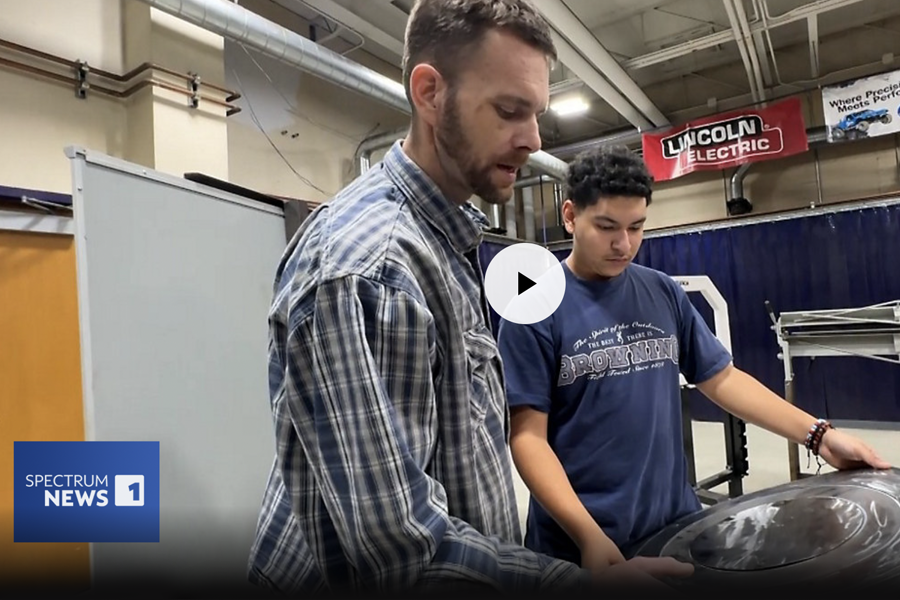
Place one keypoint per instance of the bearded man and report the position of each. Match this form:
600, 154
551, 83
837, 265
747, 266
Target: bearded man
392, 471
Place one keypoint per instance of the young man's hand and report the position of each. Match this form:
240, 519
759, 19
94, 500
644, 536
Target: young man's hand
599, 553
843, 451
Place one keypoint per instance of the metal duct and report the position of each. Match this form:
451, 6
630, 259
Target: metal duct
739, 204
737, 181
816, 135
512, 229
622, 138
496, 222
528, 211
532, 180
369, 145
549, 164
558, 199
238, 24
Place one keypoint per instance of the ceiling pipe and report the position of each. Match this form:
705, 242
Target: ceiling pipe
83, 87
528, 213
496, 223
738, 204
240, 25
630, 138
533, 180
363, 157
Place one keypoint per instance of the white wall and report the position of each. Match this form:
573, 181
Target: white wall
39, 118
183, 139
88, 30
157, 128
314, 124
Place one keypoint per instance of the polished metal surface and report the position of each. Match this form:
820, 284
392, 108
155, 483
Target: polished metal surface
840, 529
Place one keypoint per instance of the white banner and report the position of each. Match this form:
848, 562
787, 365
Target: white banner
862, 108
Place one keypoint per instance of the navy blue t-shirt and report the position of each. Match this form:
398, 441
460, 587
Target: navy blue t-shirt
605, 367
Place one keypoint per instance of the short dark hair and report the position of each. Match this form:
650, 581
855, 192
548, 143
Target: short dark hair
443, 32
606, 172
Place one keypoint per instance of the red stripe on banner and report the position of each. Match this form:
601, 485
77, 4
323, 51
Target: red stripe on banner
727, 140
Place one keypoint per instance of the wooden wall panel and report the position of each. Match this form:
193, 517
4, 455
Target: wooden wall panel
40, 388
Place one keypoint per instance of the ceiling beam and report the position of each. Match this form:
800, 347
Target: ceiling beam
760, 45
726, 36
812, 25
621, 88
355, 23
752, 50
592, 78
614, 16
743, 48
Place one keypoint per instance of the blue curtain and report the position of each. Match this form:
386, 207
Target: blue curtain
836, 260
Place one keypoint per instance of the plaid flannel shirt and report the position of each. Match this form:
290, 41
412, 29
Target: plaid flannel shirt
392, 468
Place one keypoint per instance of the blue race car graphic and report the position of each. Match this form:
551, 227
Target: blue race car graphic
855, 125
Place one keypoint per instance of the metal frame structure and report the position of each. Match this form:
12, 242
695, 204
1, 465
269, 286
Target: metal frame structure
34, 211
869, 332
35, 222
736, 459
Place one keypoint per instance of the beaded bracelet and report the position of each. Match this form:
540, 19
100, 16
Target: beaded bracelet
814, 440
816, 432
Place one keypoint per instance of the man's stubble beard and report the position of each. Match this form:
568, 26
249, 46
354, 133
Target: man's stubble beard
453, 143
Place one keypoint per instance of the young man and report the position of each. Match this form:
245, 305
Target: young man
594, 388
392, 470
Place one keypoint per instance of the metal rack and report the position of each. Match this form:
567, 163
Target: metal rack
736, 462
736, 459
869, 332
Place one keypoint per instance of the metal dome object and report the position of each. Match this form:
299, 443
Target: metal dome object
826, 532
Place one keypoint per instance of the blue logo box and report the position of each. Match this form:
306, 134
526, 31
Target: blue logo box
86, 492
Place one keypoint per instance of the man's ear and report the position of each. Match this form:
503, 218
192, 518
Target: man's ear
425, 87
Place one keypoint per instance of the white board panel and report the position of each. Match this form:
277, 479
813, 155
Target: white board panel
175, 282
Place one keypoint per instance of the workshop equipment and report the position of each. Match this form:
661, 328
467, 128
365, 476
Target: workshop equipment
829, 532
870, 332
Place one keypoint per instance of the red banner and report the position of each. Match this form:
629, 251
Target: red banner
727, 140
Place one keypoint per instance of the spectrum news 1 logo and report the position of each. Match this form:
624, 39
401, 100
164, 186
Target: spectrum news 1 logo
86, 492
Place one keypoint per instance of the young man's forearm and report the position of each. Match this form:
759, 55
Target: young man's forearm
547, 480
745, 397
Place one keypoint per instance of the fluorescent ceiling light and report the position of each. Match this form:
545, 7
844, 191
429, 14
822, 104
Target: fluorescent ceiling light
569, 106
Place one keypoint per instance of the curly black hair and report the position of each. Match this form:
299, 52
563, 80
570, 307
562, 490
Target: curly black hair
605, 172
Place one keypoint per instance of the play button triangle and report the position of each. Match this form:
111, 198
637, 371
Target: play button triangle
525, 284
519, 268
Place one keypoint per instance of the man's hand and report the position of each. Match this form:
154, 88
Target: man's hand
843, 451
599, 553
642, 574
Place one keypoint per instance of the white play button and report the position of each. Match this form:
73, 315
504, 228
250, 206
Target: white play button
525, 283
